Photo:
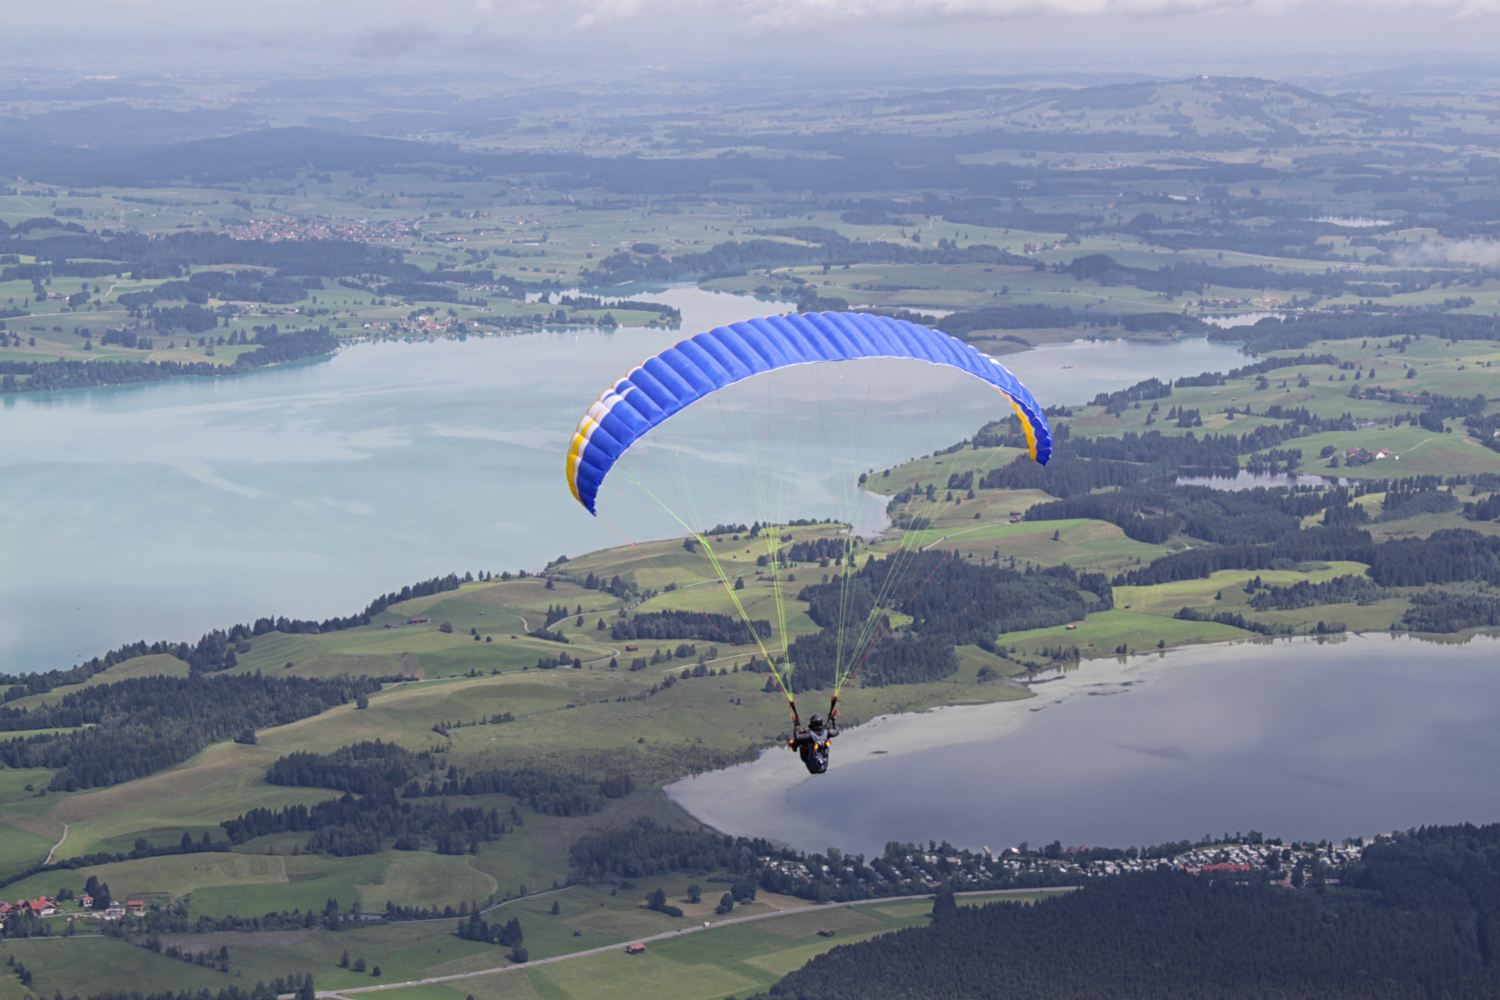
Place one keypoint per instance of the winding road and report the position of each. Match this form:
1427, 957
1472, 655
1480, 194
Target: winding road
343, 994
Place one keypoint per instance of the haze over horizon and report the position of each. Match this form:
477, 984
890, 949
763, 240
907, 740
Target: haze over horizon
1349, 44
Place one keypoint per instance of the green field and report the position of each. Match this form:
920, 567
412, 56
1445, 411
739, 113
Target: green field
475, 660
485, 664
738, 956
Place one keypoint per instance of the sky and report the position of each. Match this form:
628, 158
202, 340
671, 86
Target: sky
981, 37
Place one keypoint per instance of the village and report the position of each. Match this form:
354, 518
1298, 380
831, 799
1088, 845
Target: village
293, 227
843, 877
1290, 865
85, 906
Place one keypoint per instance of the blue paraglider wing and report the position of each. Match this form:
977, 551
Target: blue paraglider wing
681, 375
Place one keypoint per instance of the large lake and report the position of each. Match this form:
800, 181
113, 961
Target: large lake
1295, 738
164, 510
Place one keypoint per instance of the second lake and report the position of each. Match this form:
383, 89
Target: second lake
1297, 739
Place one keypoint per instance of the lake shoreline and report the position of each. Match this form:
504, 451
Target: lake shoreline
939, 727
303, 476
873, 760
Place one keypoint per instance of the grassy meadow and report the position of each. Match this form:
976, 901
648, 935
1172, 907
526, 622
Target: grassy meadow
732, 956
476, 661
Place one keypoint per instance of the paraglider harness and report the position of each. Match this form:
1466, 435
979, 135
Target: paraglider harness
812, 744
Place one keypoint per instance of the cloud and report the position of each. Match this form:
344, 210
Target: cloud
244, 41
761, 16
776, 15
481, 41
396, 40
393, 40
1484, 252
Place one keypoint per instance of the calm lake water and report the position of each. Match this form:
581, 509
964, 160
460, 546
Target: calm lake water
1293, 738
164, 510
1246, 480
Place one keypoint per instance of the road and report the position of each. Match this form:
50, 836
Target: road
55, 846
355, 990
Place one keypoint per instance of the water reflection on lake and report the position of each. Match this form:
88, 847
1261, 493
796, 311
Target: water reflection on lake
163, 510
1246, 480
1294, 738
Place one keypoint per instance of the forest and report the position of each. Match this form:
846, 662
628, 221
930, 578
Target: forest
1155, 512
1294, 332
275, 348
1449, 555
961, 602
388, 770
1444, 612
347, 826
1302, 594
953, 603
730, 258
144, 256
139, 726
708, 627
1418, 917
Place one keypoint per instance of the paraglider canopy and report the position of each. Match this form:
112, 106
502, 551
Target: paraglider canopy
700, 365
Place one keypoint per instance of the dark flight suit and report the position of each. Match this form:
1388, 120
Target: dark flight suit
812, 745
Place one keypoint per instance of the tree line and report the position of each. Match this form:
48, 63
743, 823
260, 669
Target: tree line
298, 984
742, 256
1347, 589
346, 826
148, 255
1415, 919
48, 376
374, 768
1449, 555
1156, 512
703, 626
212, 650
142, 725
1447, 612
142, 849
1299, 331
952, 603
228, 286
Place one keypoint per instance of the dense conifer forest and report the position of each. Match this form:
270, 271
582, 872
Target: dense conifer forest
1442, 612
952, 602
1415, 919
139, 726
705, 626
396, 787
348, 826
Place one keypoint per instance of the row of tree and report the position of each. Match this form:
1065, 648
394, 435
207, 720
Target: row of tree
375, 768
1446, 612
49, 376
704, 626
138, 726
347, 826
1449, 555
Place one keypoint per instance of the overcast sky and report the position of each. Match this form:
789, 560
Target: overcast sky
1267, 37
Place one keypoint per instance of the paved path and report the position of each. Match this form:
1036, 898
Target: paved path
57, 845
939, 541
355, 990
